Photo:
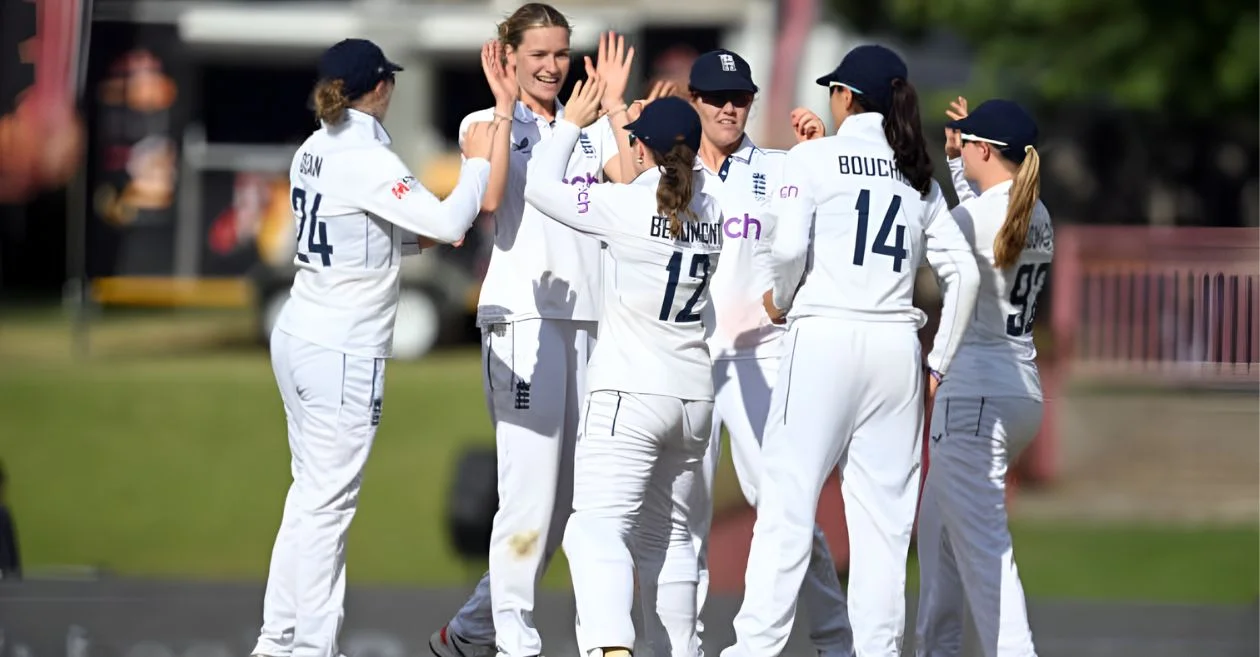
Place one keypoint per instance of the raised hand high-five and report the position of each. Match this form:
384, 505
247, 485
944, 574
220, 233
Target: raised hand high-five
613, 67
582, 107
500, 77
660, 89
953, 139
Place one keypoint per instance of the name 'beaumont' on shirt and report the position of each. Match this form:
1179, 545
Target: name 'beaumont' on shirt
692, 231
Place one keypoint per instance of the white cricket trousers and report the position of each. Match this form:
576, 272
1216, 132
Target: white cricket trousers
965, 551
332, 403
637, 459
534, 377
742, 403
849, 393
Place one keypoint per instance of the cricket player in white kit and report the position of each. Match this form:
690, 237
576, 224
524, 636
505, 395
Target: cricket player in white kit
354, 205
744, 343
856, 214
646, 419
988, 408
539, 305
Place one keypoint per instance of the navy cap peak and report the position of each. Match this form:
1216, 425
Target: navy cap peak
1004, 124
869, 70
721, 70
358, 63
667, 121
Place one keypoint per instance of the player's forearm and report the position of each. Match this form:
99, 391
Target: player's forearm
545, 188
962, 188
446, 221
959, 278
500, 155
625, 152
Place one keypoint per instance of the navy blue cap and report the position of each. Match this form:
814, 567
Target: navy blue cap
869, 71
1002, 123
721, 70
358, 63
666, 121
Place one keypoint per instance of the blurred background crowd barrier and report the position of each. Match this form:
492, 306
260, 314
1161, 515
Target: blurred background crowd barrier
146, 248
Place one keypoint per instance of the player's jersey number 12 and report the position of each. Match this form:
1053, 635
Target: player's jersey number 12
316, 231
698, 270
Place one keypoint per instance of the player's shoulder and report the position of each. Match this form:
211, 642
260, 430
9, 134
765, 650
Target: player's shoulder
710, 206
478, 116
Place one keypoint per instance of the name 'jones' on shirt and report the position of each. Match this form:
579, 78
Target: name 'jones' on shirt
692, 231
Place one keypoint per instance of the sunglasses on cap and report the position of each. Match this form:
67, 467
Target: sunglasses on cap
737, 99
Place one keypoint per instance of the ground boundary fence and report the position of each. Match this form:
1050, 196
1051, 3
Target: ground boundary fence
1163, 307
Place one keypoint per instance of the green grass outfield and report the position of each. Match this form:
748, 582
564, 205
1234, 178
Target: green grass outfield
156, 458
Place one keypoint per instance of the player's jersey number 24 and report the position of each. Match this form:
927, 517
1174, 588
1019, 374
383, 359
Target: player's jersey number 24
309, 225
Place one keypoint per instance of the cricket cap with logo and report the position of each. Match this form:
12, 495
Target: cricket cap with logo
869, 71
1004, 124
721, 70
358, 63
665, 122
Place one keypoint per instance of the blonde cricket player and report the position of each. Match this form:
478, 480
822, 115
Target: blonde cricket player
989, 407
538, 312
356, 210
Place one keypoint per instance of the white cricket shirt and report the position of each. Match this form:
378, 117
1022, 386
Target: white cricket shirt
997, 356
849, 222
354, 202
742, 185
651, 337
527, 244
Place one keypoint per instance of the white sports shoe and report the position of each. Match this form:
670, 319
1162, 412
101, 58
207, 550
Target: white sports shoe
445, 643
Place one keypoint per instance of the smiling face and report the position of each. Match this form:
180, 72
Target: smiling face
723, 115
542, 63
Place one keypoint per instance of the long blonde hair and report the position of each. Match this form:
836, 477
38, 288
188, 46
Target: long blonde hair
1025, 190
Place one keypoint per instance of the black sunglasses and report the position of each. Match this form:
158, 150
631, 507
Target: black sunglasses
738, 99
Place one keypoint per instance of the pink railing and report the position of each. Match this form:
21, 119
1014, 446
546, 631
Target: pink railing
1168, 305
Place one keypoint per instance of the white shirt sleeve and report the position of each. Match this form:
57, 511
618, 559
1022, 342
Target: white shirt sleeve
607, 139
962, 188
761, 261
386, 188
792, 210
592, 209
950, 256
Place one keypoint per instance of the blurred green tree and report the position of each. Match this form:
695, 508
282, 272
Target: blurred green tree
1191, 59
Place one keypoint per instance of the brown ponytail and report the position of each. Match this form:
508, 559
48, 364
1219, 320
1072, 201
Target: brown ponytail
1025, 190
331, 101
904, 131
677, 186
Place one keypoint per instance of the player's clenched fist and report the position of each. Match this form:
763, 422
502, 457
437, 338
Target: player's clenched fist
478, 140
807, 125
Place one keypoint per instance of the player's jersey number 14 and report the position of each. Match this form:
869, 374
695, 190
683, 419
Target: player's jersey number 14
316, 231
